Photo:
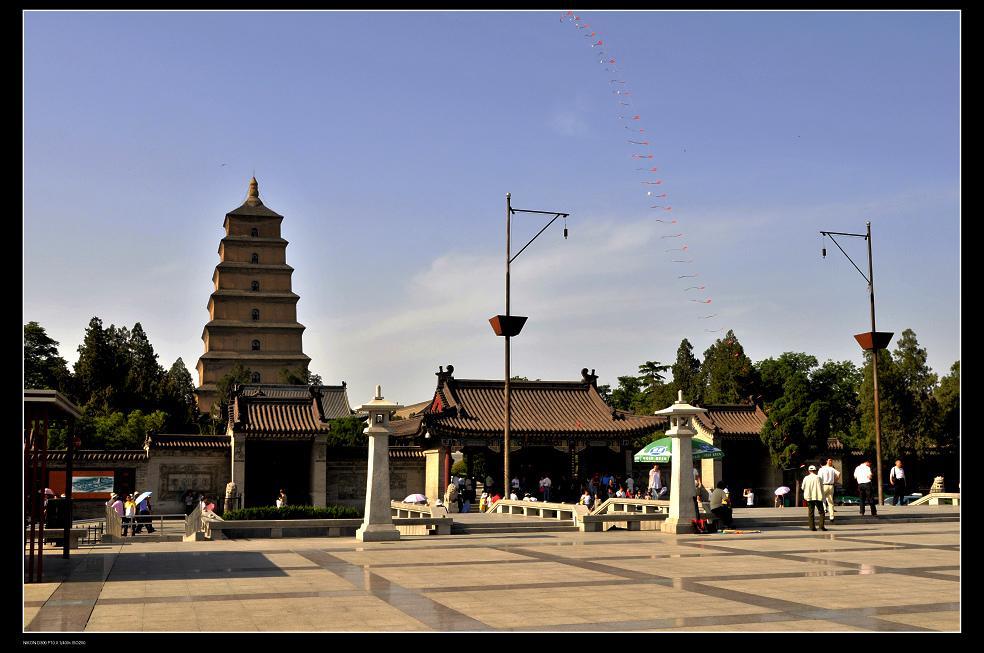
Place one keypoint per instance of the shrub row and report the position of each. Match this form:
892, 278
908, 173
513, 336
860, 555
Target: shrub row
293, 512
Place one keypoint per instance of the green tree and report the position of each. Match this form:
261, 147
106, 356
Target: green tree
144, 375
686, 374
178, 398
794, 423
726, 374
347, 432
628, 395
654, 389
948, 399
96, 367
890, 396
43, 366
837, 384
806, 404
125, 431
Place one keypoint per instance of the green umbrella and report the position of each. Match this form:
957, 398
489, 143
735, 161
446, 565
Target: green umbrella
659, 451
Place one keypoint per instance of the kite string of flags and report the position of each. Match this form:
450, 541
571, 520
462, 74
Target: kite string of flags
632, 122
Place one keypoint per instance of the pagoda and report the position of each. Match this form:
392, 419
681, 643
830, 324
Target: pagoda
252, 311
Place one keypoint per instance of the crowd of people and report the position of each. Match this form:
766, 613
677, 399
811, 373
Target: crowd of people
136, 515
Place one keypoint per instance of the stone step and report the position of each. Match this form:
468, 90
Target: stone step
775, 522
512, 527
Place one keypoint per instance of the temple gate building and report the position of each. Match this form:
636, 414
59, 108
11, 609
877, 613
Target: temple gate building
252, 311
564, 428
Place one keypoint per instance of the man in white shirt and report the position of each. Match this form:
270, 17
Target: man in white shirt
813, 495
655, 481
862, 473
897, 478
828, 477
546, 483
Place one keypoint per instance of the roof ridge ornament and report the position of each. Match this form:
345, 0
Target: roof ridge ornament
253, 194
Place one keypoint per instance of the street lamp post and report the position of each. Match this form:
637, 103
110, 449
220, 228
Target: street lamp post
872, 341
509, 325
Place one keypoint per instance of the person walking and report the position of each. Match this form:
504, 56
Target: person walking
749, 497
547, 485
655, 481
467, 496
189, 501
828, 477
143, 516
862, 474
129, 516
813, 495
897, 478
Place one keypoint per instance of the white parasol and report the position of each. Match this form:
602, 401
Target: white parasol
415, 498
142, 496
781, 490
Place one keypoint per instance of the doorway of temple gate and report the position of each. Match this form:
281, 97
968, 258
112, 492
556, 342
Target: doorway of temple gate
272, 465
530, 462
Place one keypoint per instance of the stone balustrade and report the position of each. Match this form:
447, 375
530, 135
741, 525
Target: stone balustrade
542, 509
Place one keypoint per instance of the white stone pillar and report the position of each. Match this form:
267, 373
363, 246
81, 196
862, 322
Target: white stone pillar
377, 525
681, 485
682, 490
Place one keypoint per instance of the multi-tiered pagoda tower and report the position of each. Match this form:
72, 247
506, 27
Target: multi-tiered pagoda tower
252, 313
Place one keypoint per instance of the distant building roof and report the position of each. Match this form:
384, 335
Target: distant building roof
97, 455
731, 421
544, 409
412, 410
281, 412
186, 441
334, 398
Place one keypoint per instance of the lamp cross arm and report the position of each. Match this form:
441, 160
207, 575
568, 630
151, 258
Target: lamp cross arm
555, 214
831, 235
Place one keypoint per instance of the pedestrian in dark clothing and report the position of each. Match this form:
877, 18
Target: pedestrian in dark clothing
862, 473
897, 479
143, 516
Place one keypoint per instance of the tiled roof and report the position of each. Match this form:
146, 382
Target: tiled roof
255, 210
406, 452
736, 421
334, 398
97, 455
412, 409
405, 428
283, 417
538, 408
186, 441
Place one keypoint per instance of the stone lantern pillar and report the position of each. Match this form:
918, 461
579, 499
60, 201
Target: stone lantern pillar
377, 525
682, 490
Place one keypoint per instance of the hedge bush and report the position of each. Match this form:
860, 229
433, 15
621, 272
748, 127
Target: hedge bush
293, 512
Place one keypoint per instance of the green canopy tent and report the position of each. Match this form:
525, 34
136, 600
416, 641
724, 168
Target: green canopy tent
660, 450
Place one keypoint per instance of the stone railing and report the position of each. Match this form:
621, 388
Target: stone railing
420, 519
194, 524
644, 506
938, 498
113, 532
543, 509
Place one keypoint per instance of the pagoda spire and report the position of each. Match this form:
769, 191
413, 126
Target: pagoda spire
253, 195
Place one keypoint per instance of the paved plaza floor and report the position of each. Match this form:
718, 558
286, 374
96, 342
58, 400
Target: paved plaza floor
875, 576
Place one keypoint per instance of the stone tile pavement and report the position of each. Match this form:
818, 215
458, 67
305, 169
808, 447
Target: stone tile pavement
876, 576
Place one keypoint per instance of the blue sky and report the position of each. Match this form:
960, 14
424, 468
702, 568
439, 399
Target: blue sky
389, 139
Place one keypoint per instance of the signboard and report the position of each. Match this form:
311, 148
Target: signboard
86, 483
91, 484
